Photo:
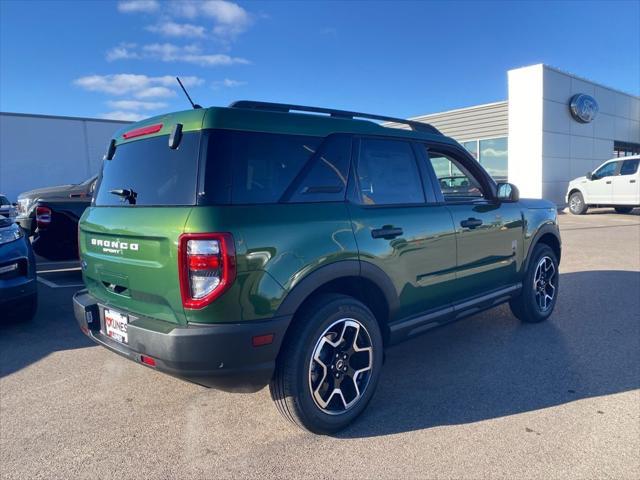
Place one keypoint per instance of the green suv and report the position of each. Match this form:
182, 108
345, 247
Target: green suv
286, 245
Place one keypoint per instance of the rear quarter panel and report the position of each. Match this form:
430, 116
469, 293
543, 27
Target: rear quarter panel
277, 246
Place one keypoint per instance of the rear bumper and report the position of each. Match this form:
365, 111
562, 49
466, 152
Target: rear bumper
219, 356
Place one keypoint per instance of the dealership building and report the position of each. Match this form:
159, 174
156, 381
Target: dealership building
553, 127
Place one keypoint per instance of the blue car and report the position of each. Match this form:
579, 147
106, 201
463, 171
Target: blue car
18, 289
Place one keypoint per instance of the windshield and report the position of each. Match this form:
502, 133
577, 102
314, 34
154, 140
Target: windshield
147, 172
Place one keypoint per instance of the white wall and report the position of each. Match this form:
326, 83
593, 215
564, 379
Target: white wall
41, 151
545, 154
525, 130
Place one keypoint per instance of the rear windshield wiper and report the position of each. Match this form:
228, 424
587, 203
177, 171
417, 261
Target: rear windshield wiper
127, 195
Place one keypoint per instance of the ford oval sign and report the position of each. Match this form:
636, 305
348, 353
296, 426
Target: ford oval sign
584, 108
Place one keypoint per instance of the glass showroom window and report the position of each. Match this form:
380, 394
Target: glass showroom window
493, 157
472, 147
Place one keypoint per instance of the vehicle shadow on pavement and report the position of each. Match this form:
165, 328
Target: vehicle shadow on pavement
53, 329
491, 365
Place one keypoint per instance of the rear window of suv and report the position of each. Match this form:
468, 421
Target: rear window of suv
155, 172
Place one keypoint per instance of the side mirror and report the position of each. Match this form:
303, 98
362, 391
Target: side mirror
589, 176
507, 192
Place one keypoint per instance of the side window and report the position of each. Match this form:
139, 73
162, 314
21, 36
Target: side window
388, 173
258, 167
456, 182
326, 178
629, 167
606, 170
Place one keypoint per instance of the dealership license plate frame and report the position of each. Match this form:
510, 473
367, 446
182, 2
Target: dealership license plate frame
113, 323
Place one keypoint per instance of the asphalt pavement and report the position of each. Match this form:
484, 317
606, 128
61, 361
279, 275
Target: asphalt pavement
486, 397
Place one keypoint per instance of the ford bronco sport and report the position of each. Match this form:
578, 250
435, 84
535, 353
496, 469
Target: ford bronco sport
286, 245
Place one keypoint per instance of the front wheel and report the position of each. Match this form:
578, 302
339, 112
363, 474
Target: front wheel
576, 204
329, 366
539, 294
623, 209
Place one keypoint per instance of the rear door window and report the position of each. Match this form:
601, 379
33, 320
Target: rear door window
156, 174
252, 167
629, 167
324, 179
387, 173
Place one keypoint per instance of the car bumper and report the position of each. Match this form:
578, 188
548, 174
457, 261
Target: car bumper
20, 283
219, 356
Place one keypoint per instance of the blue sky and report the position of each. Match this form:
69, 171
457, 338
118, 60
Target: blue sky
117, 59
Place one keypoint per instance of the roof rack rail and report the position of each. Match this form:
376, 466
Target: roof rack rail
285, 107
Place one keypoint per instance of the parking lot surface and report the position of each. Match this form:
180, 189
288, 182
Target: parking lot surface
484, 397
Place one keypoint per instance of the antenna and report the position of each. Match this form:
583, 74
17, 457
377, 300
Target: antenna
194, 105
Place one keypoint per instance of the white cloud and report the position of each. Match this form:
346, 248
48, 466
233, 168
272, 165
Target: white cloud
155, 92
229, 18
173, 29
169, 52
136, 105
122, 52
228, 82
141, 86
120, 115
134, 6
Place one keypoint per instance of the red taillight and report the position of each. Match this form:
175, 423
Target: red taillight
139, 132
207, 267
43, 216
148, 360
203, 262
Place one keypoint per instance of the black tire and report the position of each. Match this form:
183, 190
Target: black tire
293, 381
527, 305
623, 209
577, 205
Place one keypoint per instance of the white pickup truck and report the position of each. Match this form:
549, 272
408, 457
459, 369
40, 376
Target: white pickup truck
615, 183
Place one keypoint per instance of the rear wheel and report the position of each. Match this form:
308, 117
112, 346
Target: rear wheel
539, 288
329, 367
576, 204
623, 209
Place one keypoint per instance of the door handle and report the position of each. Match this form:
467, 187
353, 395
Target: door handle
608, 182
632, 180
386, 232
471, 223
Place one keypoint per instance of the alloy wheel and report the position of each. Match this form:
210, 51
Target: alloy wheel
341, 366
545, 283
575, 205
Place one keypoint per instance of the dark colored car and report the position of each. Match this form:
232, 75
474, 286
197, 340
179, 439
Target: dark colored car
26, 205
56, 234
262, 245
18, 289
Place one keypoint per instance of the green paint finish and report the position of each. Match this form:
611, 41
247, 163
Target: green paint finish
433, 263
421, 262
270, 122
276, 246
142, 279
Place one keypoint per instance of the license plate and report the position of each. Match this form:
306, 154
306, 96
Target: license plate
116, 325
